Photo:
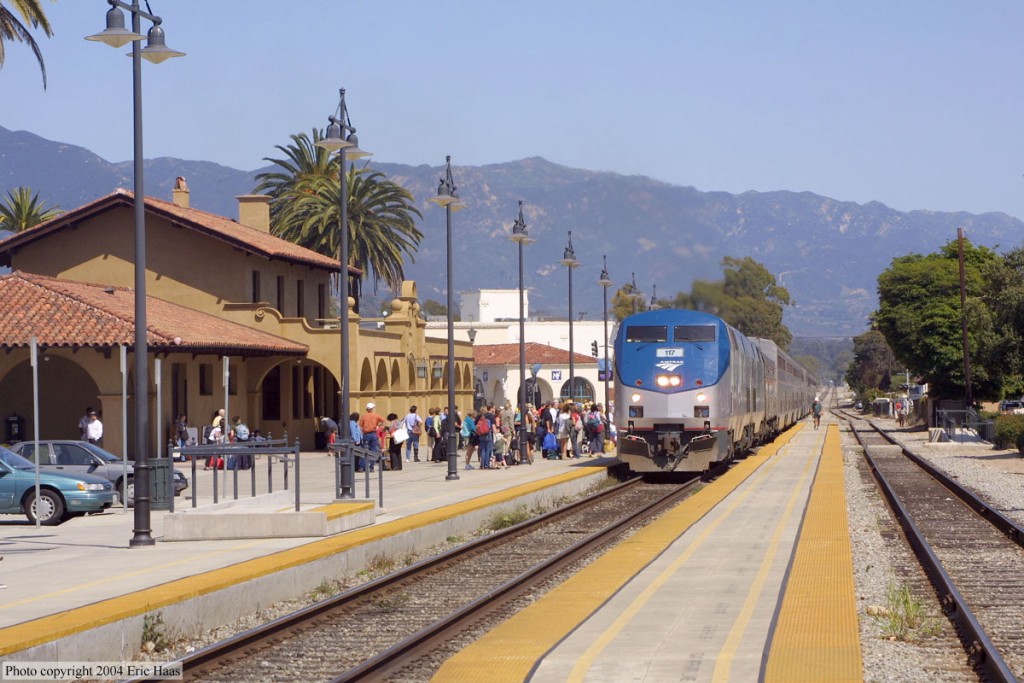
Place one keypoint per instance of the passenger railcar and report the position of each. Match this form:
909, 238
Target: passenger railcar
692, 391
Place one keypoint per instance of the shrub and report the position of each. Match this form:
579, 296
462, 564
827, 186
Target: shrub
1009, 429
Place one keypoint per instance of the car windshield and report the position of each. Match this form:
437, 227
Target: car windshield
12, 459
106, 455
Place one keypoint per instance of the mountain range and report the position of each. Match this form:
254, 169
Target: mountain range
827, 252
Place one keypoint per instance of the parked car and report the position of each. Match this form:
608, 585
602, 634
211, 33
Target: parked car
1011, 408
87, 458
60, 495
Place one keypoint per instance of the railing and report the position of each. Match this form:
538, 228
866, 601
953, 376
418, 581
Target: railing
346, 456
274, 450
957, 422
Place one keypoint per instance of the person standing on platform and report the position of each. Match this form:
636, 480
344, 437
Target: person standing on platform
816, 411
483, 432
413, 425
83, 424
394, 447
356, 435
368, 424
472, 440
94, 431
330, 428
181, 430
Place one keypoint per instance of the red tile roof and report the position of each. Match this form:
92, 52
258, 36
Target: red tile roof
234, 233
75, 314
508, 354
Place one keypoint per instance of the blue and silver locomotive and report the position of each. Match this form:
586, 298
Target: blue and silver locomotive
692, 391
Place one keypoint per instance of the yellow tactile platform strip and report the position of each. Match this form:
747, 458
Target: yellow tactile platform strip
817, 637
55, 626
510, 651
338, 510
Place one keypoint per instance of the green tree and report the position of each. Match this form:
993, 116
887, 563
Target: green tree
920, 316
13, 29
626, 301
1004, 296
22, 209
872, 364
747, 298
382, 230
435, 308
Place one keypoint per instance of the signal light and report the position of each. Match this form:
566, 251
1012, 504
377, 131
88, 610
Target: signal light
593, 348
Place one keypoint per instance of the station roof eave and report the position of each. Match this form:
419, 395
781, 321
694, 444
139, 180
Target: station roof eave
248, 239
68, 314
508, 354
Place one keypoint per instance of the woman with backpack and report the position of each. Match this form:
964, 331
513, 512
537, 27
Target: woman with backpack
483, 432
594, 428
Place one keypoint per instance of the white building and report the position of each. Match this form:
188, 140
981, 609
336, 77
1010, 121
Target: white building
493, 317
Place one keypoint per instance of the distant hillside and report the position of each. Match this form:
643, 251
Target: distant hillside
827, 252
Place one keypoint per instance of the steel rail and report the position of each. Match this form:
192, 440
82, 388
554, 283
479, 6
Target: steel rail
980, 649
215, 655
441, 631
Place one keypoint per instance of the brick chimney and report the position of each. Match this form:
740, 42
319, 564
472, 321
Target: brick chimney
180, 194
254, 211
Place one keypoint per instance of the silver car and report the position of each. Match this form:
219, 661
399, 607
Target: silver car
82, 457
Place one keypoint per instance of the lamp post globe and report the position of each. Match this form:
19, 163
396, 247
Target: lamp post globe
521, 236
116, 35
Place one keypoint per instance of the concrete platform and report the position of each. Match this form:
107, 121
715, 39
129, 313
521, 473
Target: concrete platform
79, 592
695, 595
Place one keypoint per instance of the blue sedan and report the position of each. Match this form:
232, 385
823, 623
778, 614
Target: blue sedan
60, 495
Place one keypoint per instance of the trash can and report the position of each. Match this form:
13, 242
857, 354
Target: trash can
161, 483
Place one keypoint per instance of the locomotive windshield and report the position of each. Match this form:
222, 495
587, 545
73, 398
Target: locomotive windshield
647, 333
694, 333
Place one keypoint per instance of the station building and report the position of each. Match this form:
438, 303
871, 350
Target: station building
236, 317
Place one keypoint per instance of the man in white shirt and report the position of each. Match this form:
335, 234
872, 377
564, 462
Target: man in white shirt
94, 430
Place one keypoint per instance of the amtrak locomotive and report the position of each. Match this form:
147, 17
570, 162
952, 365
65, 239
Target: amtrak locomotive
692, 391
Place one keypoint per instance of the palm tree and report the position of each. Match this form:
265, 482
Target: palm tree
22, 209
382, 229
31, 13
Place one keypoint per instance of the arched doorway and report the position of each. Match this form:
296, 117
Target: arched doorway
582, 391
65, 390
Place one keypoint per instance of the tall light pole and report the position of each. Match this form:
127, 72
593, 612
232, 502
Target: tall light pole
605, 281
654, 297
156, 51
448, 197
570, 262
341, 136
633, 293
521, 237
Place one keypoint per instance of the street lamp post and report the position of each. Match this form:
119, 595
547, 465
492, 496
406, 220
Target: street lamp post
570, 262
605, 281
633, 293
521, 237
341, 136
654, 297
448, 197
156, 51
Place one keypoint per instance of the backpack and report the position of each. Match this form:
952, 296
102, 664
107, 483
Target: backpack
594, 424
241, 432
207, 430
432, 428
483, 427
417, 427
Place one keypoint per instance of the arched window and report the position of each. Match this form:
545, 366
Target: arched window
582, 391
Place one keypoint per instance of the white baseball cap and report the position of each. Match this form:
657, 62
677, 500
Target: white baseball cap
370, 406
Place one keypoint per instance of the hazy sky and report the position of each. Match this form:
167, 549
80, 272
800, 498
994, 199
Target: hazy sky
915, 104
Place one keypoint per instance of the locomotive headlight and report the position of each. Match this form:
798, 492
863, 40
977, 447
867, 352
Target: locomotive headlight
668, 380
702, 397
635, 398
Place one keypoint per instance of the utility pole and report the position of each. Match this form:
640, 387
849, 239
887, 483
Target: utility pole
968, 396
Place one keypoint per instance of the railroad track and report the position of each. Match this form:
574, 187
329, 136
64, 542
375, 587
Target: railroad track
971, 553
412, 620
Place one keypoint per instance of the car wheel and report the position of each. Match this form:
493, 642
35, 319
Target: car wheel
48, 508
130, 492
